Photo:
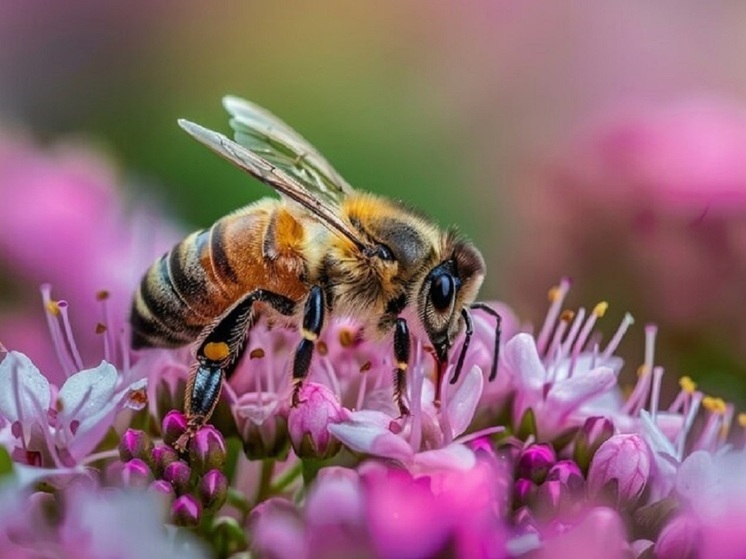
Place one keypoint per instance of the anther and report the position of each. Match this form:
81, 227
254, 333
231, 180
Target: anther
53, 308
600, 309
687, 384
256, 353
346, 337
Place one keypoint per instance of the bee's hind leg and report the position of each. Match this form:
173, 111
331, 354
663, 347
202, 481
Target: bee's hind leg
313, 320
218, 352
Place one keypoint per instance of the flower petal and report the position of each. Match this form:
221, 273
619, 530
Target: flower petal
452, 457
88, 399
463, 402
367, 431
569, 394
19, 378
522, 360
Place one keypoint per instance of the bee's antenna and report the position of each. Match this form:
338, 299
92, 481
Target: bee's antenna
496, 355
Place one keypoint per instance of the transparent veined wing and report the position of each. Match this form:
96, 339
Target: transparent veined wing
262, 133
275, 176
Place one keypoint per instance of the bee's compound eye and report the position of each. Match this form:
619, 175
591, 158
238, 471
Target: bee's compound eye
442, 290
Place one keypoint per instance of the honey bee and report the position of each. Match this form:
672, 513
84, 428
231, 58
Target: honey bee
321, 249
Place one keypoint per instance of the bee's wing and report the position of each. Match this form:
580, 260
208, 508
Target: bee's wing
270, 138
256, 165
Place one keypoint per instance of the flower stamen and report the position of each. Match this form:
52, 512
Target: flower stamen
557, 297
611, 347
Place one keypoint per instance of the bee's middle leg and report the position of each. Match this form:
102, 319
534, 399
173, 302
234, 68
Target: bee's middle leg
401, 355
313, 320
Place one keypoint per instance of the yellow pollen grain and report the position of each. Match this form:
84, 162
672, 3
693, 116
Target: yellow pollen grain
554, 293
714, 405
100, 328
346, 337
742, 420
567, 316
256, 353
643, 370
322, 348
310, 336
600, 309
102, 295
687, 384
216, 351
365, 367
53, 308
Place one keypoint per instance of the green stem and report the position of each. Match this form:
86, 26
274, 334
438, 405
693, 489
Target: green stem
238, 500
265, 481
287, 477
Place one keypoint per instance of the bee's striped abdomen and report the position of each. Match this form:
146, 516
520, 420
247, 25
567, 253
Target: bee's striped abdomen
180, 295
190, 287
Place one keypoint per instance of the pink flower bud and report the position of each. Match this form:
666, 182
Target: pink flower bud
619, 470
207, 449
262, 425
163, 456
135, 444
535, 462
522, 491
178, 474
136, 473
595, 431
568, 473
681, 537
213, 490
308, 422
186, 511
164, 490
174, 426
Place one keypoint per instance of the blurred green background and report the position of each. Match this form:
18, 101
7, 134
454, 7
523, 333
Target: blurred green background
452, 107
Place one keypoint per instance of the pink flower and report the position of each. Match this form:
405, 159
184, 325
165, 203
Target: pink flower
309, 422
60, 428
598, 533
388, 512
72, 232
620, 470
429, 435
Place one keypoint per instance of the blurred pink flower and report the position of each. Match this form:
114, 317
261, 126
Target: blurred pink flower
64, 222
649, 210
92, 523
386, 512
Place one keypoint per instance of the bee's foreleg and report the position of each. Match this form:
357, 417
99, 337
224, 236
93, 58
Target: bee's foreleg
401, 356
467, 340
498, 323
313, 320
218, 353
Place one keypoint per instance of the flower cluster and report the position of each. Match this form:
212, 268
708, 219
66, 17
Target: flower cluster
558, 457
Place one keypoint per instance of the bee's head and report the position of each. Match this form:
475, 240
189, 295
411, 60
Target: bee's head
449, 287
